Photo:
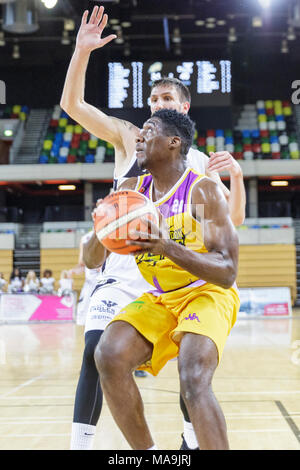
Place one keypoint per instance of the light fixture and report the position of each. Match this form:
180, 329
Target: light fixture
291, 36
221, 22
232, 35
65, 40
279, 183
114, 21
284, 47
126, 24
177, 49
16, 52
8, 133
67, 187
69, 25
49, 3
2, 39
176, 38
257, 22
199, 22
127, 50
265, 3
119, 39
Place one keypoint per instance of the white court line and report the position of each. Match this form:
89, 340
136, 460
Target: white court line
35, 435
24, 384
34, 397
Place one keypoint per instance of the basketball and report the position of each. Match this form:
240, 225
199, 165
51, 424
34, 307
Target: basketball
120, 213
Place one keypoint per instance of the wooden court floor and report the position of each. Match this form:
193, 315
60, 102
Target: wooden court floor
257, 385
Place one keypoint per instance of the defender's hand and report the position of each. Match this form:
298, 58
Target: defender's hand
89, 36
221, 161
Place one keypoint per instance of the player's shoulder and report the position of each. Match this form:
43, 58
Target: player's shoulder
197, 160
206, 190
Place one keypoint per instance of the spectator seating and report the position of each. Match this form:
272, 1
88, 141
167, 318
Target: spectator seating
14, 112
265, 130
68, 142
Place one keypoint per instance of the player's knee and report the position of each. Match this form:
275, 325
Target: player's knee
195, 376
91, 341
109, 358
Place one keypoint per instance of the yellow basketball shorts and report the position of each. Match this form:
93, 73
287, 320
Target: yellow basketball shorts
207, 310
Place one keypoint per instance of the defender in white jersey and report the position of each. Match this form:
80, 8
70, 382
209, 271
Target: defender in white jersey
91, 277
165, 93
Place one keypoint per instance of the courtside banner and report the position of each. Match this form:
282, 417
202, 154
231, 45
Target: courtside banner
265, 301
36, 308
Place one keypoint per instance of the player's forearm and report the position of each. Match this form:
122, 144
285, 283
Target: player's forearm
94, 253
213, 267
237, 199
73, 91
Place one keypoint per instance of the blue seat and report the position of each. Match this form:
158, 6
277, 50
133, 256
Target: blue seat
90, 158
255, 134
43, 159
246, 134
219, 133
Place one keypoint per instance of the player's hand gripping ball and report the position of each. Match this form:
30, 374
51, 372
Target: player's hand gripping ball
120, 214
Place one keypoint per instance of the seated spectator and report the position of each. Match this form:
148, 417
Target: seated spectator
16, 282
47, 282
32, 283
3, 284
65, 283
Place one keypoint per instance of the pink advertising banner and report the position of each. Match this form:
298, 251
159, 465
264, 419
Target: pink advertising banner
35, 307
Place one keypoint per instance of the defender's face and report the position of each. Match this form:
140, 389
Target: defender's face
151, 144
167, 97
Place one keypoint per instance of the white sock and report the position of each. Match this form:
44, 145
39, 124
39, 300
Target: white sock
82, 437
153, 448
189, 435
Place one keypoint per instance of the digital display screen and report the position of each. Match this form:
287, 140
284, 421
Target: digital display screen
129, 83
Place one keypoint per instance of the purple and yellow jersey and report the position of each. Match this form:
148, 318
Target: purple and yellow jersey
176, 208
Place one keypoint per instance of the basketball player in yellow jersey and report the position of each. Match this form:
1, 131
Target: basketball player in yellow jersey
194, 301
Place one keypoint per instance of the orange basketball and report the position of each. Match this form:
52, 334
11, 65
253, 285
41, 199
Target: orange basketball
118, 214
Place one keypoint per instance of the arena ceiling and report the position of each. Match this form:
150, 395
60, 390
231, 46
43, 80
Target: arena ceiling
167, 28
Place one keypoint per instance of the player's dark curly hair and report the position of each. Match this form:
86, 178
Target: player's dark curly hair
178, 124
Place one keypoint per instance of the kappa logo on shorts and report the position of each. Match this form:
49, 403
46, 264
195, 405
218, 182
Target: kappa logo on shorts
193, 317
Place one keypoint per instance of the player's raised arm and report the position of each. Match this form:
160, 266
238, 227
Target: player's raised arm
236, 197
121, 134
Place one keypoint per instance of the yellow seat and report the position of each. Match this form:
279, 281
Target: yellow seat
78, 129
16, 109
63, 122
47, 145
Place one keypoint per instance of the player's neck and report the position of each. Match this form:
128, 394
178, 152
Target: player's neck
165, 178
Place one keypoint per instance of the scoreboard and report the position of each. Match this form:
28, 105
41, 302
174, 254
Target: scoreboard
129, 83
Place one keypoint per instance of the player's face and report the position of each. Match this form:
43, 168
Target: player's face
151, 144
167, 97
